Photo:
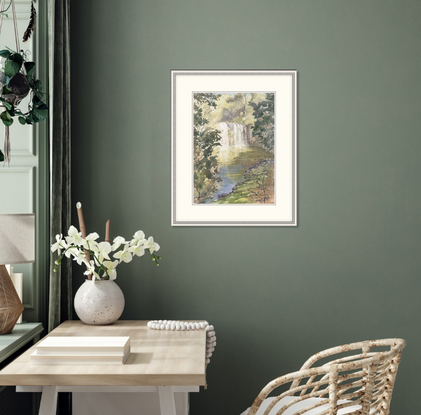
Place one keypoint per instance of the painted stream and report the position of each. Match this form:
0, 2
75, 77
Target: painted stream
235, 156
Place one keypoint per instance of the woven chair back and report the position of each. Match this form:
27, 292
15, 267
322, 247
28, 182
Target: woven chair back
354, 379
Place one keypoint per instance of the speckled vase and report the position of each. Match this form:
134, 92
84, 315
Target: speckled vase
99, 303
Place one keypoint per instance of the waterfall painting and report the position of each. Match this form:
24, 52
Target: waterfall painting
233, 155
233, 148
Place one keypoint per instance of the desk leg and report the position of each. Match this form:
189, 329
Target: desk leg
48, 401
166, 400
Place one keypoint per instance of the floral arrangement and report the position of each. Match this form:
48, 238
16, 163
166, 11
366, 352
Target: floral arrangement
97, 255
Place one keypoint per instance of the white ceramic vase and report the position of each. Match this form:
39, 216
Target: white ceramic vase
99, 302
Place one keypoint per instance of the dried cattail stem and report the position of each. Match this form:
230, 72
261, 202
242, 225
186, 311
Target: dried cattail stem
107, 230
82, 228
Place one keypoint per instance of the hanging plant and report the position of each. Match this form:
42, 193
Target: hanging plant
17, 81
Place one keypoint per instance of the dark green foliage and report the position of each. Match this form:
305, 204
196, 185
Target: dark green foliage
29, 68
261, 192
18, 71
1, 156
5, 53
203, 98
13, 64
264, 126
205, 140
6, 118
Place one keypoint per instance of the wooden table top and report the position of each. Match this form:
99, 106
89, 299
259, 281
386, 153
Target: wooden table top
157, 358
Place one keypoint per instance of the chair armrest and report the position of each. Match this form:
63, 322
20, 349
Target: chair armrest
282, 380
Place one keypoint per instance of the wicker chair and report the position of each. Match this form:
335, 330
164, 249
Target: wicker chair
359, 381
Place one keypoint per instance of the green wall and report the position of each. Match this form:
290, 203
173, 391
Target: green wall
350, 271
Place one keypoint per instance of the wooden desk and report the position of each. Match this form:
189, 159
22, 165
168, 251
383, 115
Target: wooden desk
165, 361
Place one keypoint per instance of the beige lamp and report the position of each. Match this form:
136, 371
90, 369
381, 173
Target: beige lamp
17, 246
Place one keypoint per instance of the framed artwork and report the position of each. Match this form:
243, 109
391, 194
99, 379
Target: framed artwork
234, 148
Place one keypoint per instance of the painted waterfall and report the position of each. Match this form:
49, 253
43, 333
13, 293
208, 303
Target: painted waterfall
234, 148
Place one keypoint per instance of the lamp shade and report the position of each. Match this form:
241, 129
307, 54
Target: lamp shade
17, 238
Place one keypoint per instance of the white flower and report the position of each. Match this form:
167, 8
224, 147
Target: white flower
102, 250
80, 258
117, 242
73, 251
151, 245
59, 245
96, 255
92, 246
91, 271
138, 237
75, 237
124, 255
111, 269
92, 237
138, 249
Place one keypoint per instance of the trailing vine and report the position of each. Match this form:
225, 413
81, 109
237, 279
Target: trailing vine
17, 80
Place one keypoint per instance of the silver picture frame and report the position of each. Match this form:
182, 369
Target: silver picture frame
242, 107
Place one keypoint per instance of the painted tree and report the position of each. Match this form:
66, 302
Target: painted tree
263, 182
206, 173
264, 125
242, 99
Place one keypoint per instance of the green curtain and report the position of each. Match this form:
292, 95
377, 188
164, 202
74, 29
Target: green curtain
60, 290
60, 300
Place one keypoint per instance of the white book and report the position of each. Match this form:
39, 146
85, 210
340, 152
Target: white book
61, 350
79, 359
59, 345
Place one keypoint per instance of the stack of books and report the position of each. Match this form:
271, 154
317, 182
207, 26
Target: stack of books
60, 350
